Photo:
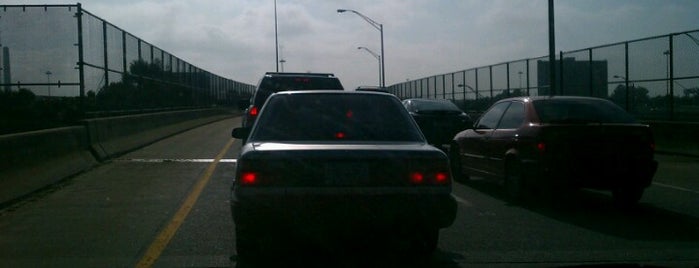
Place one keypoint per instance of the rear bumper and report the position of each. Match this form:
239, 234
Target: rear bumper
341, 209
604, 176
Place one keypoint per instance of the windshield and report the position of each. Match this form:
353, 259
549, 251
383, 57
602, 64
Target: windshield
334, 117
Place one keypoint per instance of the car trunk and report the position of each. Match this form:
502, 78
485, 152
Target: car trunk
596, 153
344, 168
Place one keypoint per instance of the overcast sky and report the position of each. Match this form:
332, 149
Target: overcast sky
235, 38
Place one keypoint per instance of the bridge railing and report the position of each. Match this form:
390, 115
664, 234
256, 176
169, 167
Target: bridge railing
61, 64
655, 78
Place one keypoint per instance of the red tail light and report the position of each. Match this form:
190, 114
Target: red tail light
441, 177
248, 178
541, 147
429, 178
652, 146
417, 178
253, 111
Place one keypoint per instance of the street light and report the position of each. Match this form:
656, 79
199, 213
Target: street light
377, 58
379, 27
469, 87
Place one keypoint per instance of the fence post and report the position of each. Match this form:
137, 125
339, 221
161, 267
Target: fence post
490, 76
527, 62
106, 62
672, 77
476, 70
507, 75
81, 67
626, 75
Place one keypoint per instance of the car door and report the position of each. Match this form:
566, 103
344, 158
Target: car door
474, 147
504, 138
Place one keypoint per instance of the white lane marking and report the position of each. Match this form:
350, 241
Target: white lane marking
675, 187
156, 160
462, 201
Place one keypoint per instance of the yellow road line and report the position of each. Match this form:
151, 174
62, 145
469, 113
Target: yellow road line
162, 240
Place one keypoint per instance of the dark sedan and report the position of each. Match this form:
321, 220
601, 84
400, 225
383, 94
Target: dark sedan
439, 120
333, 165
557, 144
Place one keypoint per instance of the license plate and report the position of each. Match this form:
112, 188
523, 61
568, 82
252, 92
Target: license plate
346, 173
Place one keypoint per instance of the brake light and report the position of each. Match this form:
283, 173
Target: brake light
340, 135
253, 111
248, 178
441, 177
429, 178
541, 147
417, 177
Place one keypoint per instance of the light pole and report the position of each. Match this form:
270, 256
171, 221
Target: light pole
379, 27
377, 58
48, 81
469, 87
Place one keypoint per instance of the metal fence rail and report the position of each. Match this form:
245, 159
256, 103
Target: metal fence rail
655, 78
67, 56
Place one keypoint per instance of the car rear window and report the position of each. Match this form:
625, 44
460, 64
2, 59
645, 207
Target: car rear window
429, 106
580, 111
333, 117
300, 83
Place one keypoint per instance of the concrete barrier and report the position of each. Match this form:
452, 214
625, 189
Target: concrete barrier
113, 136
34, 160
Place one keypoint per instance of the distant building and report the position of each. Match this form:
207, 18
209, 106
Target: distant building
580, 78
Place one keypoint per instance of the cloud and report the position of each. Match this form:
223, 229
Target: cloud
235, 39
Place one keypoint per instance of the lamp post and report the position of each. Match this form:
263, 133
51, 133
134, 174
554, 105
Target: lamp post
377, 58
48, 82
379, 27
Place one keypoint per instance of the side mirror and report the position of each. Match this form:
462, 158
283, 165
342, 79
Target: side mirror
240, 133
243, 104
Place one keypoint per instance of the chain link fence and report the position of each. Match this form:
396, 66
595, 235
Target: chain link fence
655, 78
61, 64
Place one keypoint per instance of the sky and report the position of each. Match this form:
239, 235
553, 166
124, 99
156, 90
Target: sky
236, 38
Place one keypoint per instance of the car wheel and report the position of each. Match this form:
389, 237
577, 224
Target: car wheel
627, 197
424, 242
514, 182
457, 169
245, 244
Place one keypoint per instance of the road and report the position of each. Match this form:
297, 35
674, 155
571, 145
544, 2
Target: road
166, 205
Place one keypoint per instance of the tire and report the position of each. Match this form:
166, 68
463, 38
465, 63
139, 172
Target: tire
457, 169
514, 181
424, 243
627, 196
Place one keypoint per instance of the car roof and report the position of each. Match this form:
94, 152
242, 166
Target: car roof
534, 98
329, 75
331, 91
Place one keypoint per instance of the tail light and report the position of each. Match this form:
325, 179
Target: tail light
249, 178
541, 147
253, 111
429, 178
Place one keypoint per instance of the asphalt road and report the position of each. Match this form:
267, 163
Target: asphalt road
166, 205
